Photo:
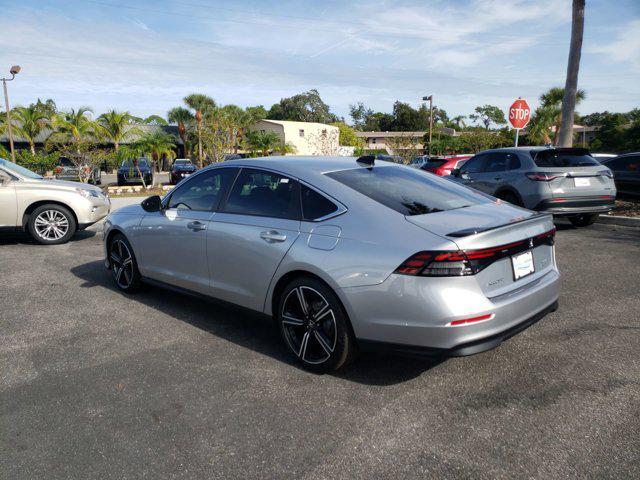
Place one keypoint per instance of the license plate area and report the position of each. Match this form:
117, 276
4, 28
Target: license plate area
522, 264
581, 182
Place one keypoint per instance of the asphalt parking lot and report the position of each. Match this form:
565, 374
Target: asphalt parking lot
99, 385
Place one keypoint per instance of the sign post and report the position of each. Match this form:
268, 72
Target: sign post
519, 116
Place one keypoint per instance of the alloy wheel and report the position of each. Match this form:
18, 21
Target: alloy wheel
51, 225
121, 264
309, 325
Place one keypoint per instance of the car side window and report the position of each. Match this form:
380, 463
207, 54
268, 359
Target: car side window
315, 205
513, 162
263, 193
474, 164
202, 192
496, 162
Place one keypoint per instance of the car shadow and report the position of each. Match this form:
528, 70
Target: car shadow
20, 238
253, 330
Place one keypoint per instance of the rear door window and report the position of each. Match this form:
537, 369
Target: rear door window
263, 193
474, 164
496, 162
408, 191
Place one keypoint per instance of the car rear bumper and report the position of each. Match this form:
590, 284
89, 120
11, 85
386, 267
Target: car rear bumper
416, 312
577, 205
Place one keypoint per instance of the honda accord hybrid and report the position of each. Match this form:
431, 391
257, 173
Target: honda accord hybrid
345, 254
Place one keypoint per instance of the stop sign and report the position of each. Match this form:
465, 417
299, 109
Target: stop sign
519, 114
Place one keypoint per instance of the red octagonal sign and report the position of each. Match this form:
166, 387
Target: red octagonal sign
519, 114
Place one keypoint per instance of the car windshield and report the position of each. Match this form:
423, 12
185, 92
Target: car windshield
12, 167
181, 162
435, 163
129, 163
407, 190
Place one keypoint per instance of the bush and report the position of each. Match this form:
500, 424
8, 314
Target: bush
39, 162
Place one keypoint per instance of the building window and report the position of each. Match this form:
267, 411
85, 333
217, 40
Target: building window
373, 140
262, 131
301, 132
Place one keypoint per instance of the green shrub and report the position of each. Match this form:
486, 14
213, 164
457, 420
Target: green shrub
39, 162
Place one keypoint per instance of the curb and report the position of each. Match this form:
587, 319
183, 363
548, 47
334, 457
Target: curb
619, 220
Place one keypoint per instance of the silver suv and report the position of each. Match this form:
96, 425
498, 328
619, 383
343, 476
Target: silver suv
50, 210
563, 181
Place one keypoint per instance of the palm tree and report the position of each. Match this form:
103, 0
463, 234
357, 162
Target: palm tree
552, 100
262, 142
74, 126
459, 121
181, 117
540, 125
30, 122
158, 144
570, 98
116, 126
132, 153
203, 105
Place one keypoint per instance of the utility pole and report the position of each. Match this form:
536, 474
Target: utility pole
13, 71
430, 98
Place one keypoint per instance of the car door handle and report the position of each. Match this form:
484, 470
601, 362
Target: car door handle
196, 226
272, 236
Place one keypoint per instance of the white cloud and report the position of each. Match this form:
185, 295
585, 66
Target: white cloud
625, 47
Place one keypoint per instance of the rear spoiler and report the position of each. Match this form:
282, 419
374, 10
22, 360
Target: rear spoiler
548, 152
473, 231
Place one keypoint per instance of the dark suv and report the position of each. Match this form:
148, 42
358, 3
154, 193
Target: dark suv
626, 172
562, 181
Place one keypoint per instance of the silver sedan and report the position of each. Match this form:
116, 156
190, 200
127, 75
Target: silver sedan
345, 254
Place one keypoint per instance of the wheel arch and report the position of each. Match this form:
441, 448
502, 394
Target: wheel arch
509, 189
287, 277
29, 210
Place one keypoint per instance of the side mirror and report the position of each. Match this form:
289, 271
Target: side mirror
152, 204
455, 172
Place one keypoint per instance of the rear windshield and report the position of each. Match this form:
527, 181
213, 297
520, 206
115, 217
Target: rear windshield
435, 163
559, 160
408, 191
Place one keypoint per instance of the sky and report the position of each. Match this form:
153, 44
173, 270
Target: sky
144, 56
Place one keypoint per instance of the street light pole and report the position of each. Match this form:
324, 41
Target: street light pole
13, 71
430, 98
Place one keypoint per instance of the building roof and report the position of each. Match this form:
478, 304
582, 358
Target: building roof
296, 124
413, 134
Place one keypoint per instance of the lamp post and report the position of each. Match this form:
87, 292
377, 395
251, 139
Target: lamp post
430, 98
13, 71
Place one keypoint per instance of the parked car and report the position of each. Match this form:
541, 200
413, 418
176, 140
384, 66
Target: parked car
391, 158
50, 210
603, 157
626, 172
418, 162
180, 169
563, 181
445, 165
344, 254
66, 170
129, 173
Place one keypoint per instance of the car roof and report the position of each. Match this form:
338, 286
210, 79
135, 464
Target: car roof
301, 166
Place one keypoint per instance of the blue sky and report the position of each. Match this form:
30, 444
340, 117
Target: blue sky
145, 55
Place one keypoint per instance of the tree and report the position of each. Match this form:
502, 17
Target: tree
359, 114
154, 120
256, 113
116, 126
73, 127
203, 106
262, 142
565, 137
304, 107
459, 121
551, 101
181, 117
30, 123
158, 145
48, 107
488, 114
540, 125
347, 136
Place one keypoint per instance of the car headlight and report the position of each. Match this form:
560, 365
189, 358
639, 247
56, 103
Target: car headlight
88, 193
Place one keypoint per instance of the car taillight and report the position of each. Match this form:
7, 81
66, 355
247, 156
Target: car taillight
544, 177
58, 169
467, 262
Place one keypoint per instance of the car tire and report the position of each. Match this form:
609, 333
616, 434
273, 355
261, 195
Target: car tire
314, 325
510, 197
123, 264
51, 224
584, 220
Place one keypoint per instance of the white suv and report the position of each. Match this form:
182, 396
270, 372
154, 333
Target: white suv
50, 210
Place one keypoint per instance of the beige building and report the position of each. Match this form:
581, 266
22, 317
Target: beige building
308, 138
392, 142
